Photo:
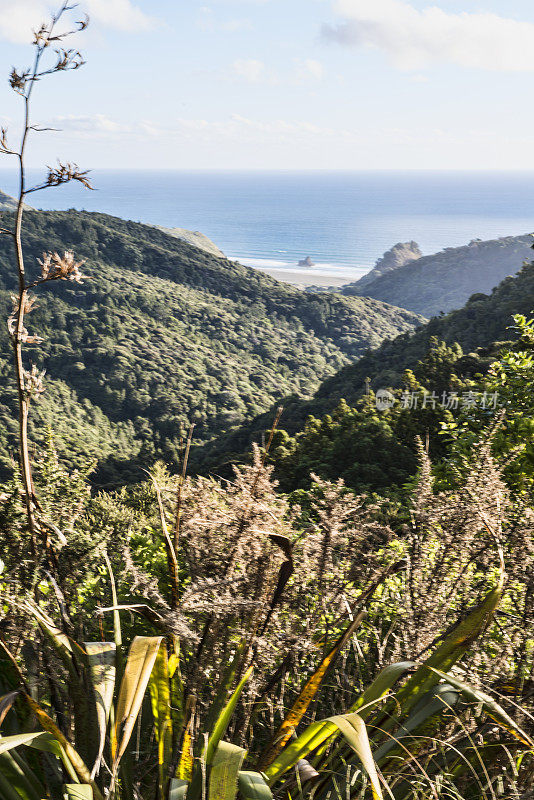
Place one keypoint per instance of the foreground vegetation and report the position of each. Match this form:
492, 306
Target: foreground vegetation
179, 632
284, 612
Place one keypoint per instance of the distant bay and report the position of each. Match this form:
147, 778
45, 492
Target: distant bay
343, 221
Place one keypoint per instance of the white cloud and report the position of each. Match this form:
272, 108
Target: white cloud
238, 141
309, 68
234, 128
414, 38
250, 69
19, 17
120, 14
91, 124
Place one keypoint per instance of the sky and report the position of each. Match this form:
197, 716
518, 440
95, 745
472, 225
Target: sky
284, 84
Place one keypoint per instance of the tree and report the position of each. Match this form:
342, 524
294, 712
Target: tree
53, 266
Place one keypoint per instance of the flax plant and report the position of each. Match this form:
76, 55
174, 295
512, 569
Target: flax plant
46, 40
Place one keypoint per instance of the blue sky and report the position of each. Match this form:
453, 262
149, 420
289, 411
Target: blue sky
286, 84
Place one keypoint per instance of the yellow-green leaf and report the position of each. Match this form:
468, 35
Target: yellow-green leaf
224, 770
380, 686
160, 697
185, 767
252, 786
17, 773
178, 789
452, 647
224, 718
75, 759
141, 658
78, 791
353, 729
10, 742
101, 661
39, 740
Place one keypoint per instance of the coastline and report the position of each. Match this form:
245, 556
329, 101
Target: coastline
304, 278
322, 274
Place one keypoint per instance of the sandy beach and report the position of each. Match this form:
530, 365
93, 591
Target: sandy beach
303, 278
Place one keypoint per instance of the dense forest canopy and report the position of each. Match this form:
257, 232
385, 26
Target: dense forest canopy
476, 330
162, 334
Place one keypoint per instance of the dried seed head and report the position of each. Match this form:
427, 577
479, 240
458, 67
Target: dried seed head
68, 59
18, 80
64, 173
33, 382
29, 303
40, 36
56, 267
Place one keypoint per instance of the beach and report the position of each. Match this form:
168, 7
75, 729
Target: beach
304, 278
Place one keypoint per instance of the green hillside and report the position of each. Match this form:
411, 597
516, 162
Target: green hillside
162, 334
445, 281
479, 325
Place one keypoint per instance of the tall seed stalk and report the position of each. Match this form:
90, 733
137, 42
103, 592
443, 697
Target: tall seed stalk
53, 266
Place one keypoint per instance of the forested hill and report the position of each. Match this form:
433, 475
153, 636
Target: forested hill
446, 280
7, 203
481, 323
162, 334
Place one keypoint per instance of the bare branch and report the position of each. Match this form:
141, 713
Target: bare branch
66, 60
81, 25
4, 146
43, 36
63, 173
41, 129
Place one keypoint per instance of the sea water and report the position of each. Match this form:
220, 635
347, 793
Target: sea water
344, 221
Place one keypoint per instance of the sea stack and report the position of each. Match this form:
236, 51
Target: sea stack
306, 262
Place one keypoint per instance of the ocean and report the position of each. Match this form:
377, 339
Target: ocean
344, 221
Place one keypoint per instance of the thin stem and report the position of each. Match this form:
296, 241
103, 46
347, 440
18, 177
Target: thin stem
23, 397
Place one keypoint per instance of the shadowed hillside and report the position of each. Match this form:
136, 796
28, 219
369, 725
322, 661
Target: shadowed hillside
484, 320
445, 281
